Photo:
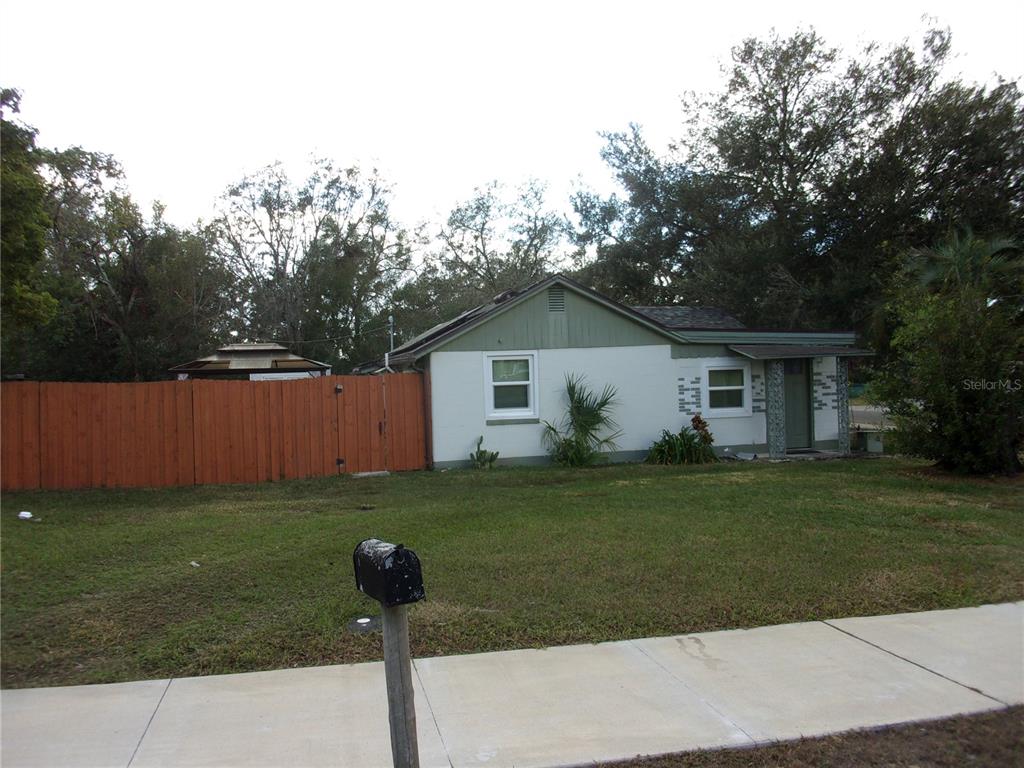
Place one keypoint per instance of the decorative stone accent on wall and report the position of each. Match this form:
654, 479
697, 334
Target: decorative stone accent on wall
824, 388
757, 397
689, 395
843, 403
775, 391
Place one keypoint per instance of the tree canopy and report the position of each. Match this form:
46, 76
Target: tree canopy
790, 198
795, 190
23, 220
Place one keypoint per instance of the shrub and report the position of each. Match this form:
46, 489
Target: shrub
580, 439
954, 387
688, 446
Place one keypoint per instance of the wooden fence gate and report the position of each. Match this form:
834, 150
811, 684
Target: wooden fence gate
69, 435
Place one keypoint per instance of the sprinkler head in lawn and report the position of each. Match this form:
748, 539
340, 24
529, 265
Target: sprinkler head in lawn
364, 625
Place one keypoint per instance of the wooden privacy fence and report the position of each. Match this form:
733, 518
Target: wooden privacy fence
69, 435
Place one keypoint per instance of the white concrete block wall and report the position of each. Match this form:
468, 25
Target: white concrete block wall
646, 378
744, 432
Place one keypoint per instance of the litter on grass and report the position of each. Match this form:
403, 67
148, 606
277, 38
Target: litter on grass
25, 515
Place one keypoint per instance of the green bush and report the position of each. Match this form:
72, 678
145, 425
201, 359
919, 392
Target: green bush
688, 446
954, 387
579, 440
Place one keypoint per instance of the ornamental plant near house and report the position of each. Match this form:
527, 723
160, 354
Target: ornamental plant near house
587, 429
481, 457
688, 446
701, 428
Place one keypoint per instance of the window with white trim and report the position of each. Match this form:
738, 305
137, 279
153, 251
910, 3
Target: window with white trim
511, 385
727, 389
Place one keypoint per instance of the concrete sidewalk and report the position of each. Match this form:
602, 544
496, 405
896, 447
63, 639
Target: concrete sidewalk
560, 706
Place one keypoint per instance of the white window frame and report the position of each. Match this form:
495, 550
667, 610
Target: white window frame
498, 414
726, 364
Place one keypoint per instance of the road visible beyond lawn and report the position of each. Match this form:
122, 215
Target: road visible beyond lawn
103, 588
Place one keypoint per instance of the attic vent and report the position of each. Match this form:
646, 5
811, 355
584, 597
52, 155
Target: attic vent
556, 299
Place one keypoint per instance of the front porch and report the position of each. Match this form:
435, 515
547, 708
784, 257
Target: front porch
806, 398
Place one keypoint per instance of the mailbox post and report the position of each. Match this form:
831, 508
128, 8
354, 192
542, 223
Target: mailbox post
391, 574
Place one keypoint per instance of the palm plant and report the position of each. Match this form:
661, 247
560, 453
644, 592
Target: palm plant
964, 261
587, 428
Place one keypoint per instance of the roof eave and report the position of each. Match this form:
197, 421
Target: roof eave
788, 352
839, 338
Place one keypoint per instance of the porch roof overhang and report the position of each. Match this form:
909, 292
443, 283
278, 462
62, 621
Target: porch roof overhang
786, 351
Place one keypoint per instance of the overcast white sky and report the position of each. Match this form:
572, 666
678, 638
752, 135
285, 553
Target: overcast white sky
441, 96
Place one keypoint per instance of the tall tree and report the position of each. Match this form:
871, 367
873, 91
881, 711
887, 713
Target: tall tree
23, 221
498, 239
647, 244
134, 296
797, 187
318, 261
495, 241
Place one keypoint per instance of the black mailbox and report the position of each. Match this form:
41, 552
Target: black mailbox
389, 573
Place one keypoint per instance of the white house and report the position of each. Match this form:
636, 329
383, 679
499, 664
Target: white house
499, 371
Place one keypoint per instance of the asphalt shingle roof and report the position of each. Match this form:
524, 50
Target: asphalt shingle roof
679, 318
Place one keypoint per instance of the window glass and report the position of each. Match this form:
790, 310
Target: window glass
510, 370
512, 396
726, 378
726, 398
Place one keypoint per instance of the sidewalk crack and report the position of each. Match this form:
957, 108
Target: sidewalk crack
149, 722
433, 717
971, 688
688, 687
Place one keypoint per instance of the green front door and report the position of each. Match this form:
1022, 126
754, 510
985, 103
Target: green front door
798, 404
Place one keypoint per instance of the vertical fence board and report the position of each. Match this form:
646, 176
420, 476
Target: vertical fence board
377, 423
199, 433
363, 416
262, 425
28, 426
11, 438
288, 407
276, 438
397, 431
348, 421
315, 427
95, 460
46, 461
186, 457
334, 409
301, 436
19, 439
401, 433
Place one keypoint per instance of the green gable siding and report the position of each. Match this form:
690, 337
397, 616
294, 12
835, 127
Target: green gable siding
529, 325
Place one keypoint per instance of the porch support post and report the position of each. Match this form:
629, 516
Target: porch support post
843, 404
775, 407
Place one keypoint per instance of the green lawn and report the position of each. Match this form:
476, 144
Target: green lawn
102, 588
